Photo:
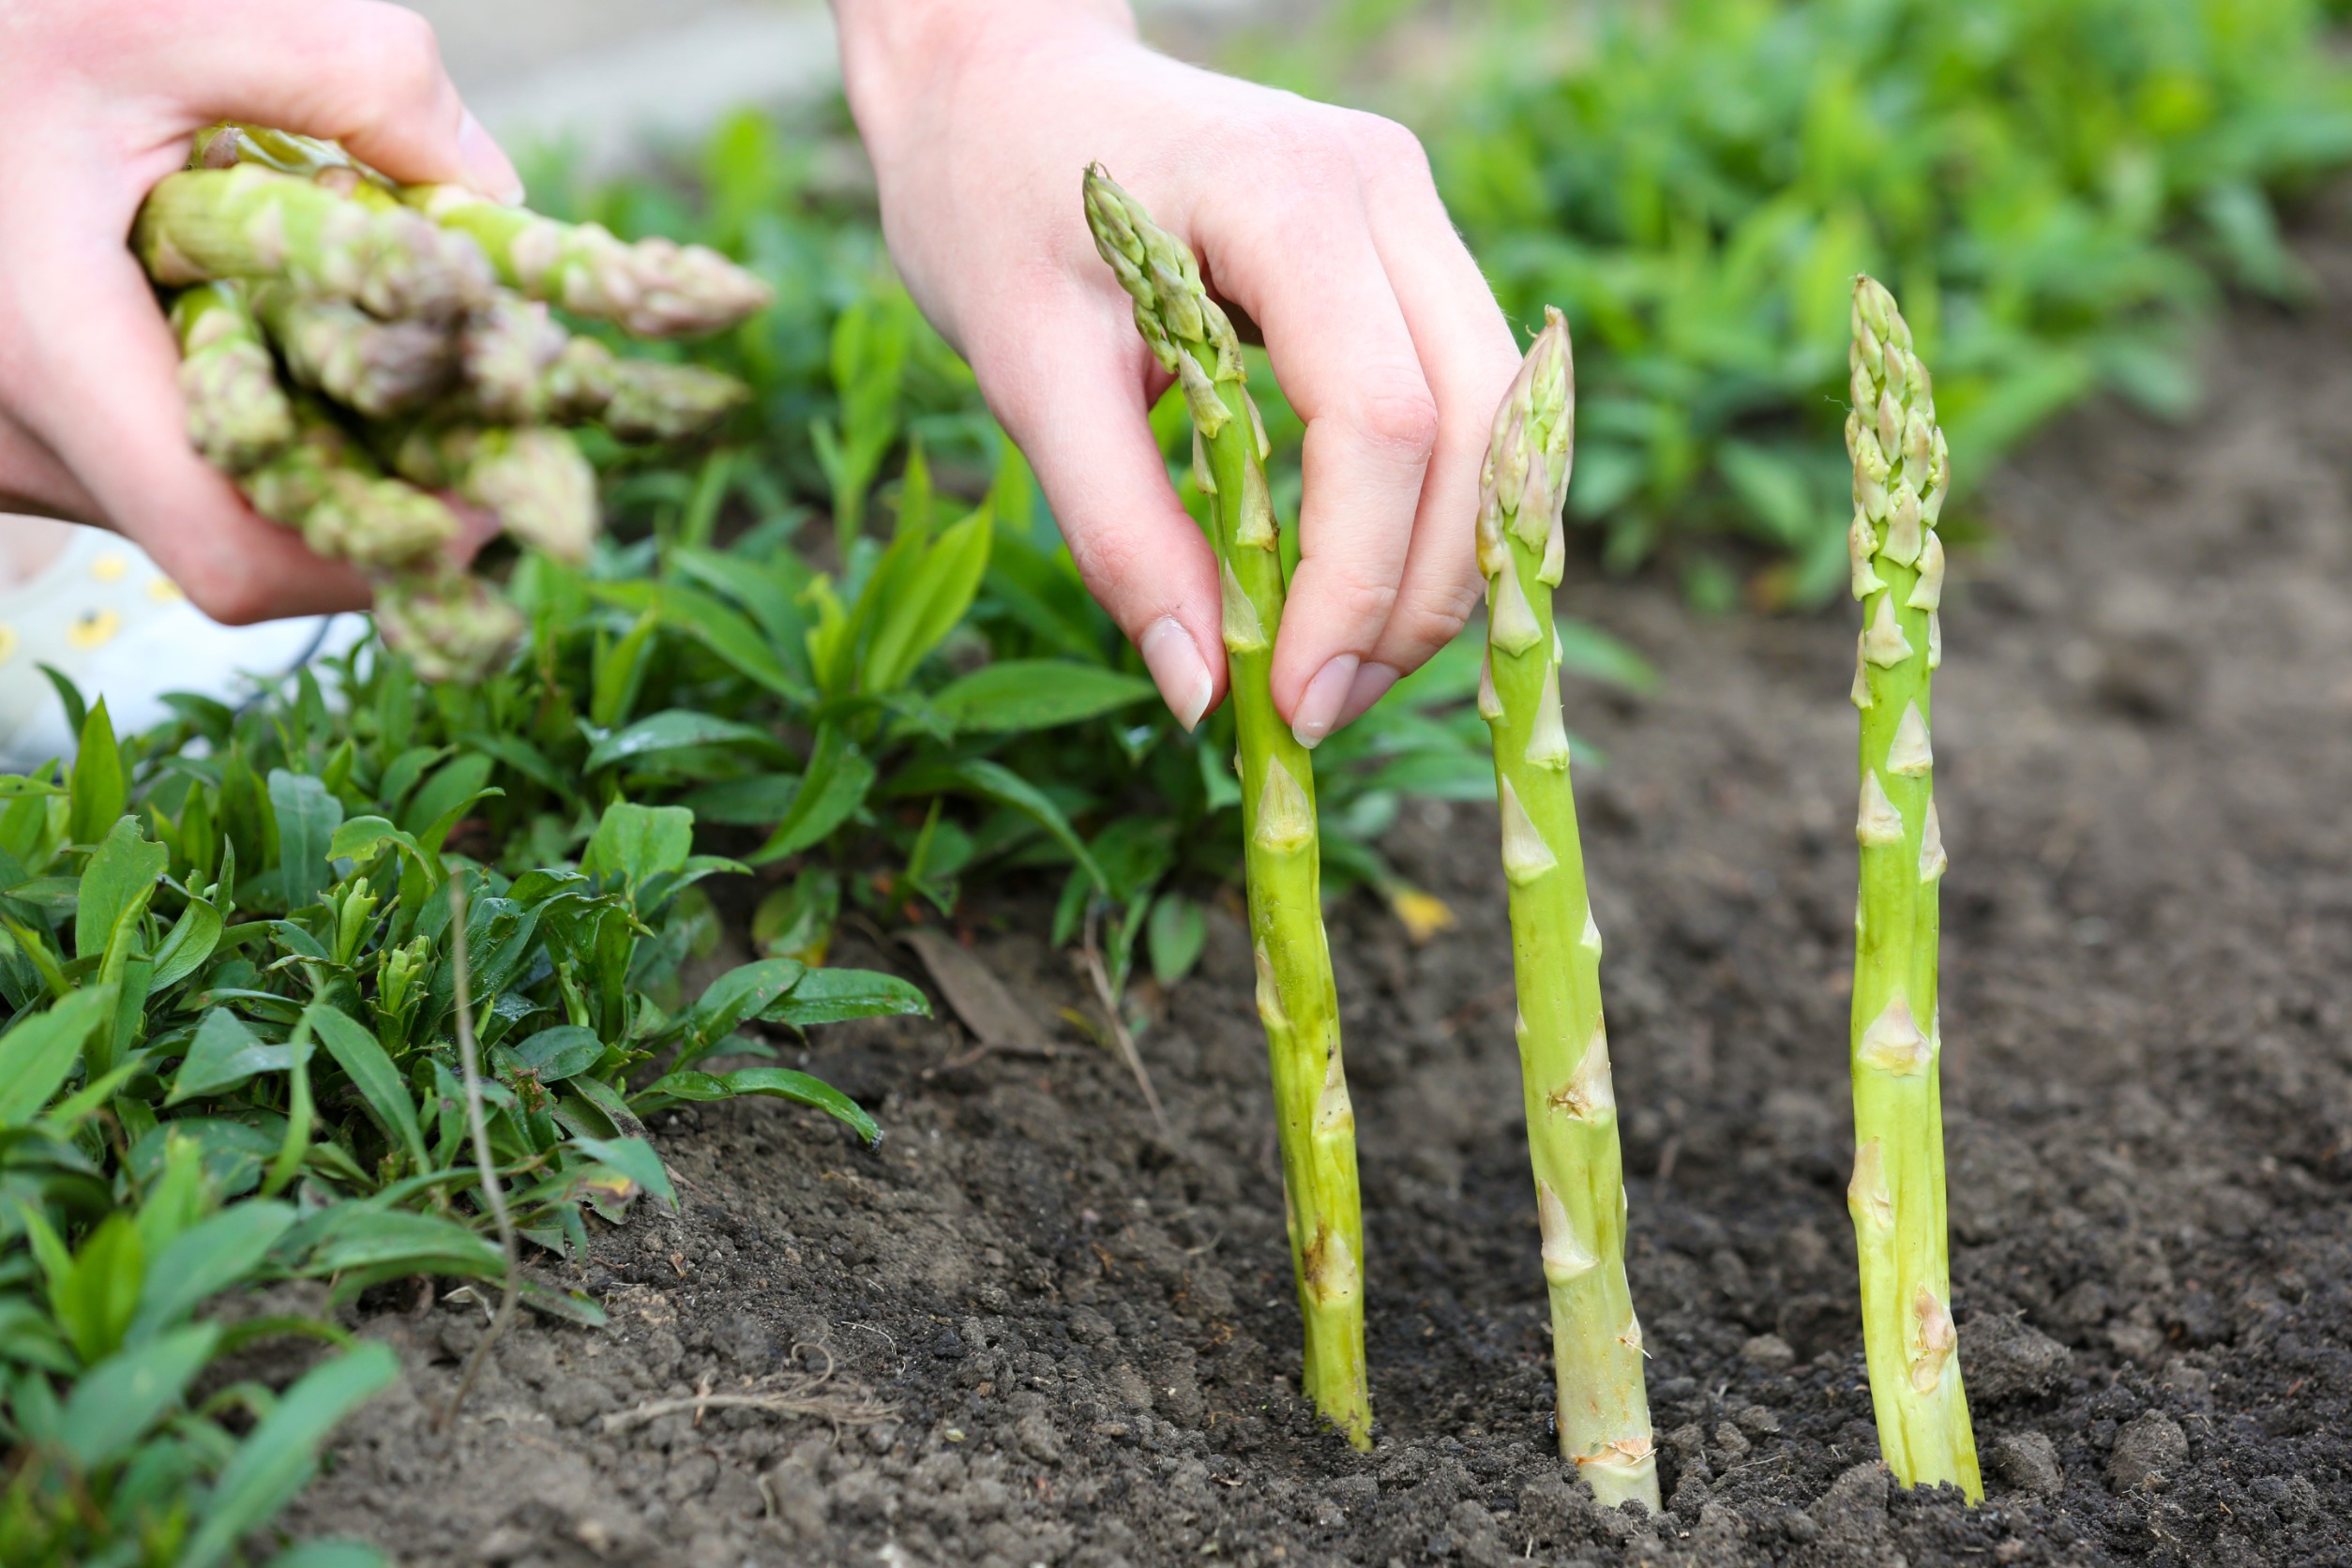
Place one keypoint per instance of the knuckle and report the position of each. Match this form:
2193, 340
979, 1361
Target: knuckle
1358, 601
1397, 415
1388, 146
1429, 617
406, 53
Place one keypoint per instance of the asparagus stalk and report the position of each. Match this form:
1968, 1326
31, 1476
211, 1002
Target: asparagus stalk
1902, 474
452, 626
510, 352
238, 416
324, 487
1602, 1406
1297, 999
654, 288
251, 221
533, 479
520, 367
374, 368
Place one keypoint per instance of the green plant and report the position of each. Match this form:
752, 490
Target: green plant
1602, 1406
232, 985
2057, 186
1902, 474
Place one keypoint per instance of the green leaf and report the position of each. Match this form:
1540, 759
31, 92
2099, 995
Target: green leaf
994, 781
724, 631
204, 1260
639, 842
356, 1048
115, 1402
223, 1054
1016, 695
837, 995
936, 595
782, 1084
634, 1158
424, 1243
452, 786
675, 729
278, 1458
753, 802
564, 1052
329, 1554
190, 941
100, 789
37, 1053
745, 992
307, 817
1177, 933
834, 786
124, 868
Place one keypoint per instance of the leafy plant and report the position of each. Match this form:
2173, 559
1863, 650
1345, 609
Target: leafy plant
2058, 186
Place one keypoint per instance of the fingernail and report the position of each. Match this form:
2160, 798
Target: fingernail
1177, 669
1326, 694
488, 169
1371, 683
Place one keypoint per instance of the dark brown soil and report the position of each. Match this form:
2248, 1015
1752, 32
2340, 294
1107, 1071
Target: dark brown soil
1086, 1335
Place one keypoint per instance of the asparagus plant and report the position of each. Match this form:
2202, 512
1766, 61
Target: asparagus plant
1902, 472
1603, 1409
1297, 999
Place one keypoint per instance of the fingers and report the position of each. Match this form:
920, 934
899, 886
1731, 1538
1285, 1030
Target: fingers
1308, 270
1070, 389
1468, 352
108, 407
365, 74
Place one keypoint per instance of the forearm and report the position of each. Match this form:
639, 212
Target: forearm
899, 52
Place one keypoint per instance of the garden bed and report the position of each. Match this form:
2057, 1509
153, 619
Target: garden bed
1085, 1333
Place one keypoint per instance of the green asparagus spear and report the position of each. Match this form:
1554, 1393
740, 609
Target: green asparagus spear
654, 288
521, 368
1603, 1407
1901, 476
1297, 999
238, 416
531, 478
450, 626
510, 352
374, 368
253, 222
326, 488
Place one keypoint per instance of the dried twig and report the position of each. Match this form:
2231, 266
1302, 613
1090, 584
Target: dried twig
470, 1065
1101, 978
790, 1395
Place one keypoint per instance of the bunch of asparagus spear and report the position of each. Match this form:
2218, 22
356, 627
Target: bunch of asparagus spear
363, 356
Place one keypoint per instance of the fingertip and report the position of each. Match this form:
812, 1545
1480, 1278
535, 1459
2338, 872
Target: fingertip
1319, 705
1372, 683
488, 169
1178, 669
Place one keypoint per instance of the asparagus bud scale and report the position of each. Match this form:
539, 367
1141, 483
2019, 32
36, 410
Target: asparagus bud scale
1902, 474
1603, 1407
1297, 999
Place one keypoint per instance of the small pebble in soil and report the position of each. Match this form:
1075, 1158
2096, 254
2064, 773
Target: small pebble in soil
2024, 1462
2147, 1453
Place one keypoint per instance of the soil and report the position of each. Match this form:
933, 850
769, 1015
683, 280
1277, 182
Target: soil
1084, 1332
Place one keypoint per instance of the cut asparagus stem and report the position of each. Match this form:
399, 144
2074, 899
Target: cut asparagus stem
450, 626
1297, 999
1901, 476
254, 222
324, 487
653, 288
532, 479
238, 418
1602, 1406
375, 367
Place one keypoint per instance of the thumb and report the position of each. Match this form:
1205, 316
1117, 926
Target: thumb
361, 73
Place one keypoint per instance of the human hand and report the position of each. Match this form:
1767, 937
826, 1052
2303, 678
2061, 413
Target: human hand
1321, 224
98, 101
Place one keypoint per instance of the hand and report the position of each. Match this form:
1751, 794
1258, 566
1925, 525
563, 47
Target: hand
1321, 224
98, 101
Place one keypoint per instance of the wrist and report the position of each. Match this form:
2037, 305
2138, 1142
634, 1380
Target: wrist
898, 55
